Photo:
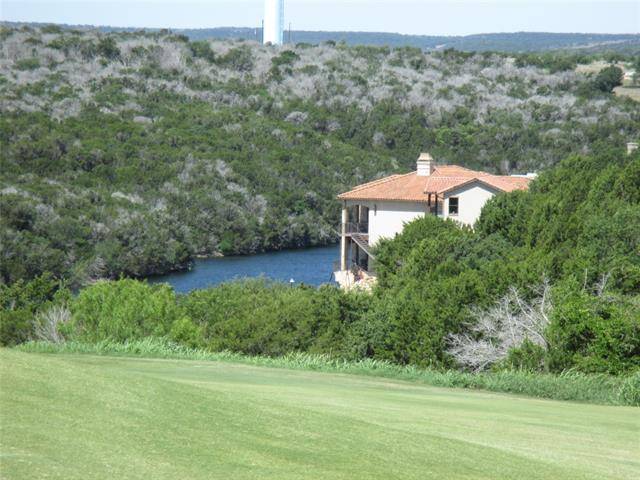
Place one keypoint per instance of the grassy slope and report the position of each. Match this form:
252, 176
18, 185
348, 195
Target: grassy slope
70, 417
572, 386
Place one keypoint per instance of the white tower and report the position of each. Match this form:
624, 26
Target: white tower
273, 22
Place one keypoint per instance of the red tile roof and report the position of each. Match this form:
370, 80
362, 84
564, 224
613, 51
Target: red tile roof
411, 187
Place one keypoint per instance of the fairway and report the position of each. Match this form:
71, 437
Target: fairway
80, 417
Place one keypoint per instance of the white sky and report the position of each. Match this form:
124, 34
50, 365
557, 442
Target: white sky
425, 17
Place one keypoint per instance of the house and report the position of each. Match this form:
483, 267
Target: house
381, 208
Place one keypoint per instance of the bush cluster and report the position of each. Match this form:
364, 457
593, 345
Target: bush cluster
21, 301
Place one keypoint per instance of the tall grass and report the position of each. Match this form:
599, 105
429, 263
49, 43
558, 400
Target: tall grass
594, 388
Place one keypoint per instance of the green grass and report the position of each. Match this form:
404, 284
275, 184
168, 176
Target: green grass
600, 389
84, 416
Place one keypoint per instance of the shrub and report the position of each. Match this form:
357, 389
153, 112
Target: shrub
528, 356
282, 64
238, 58
608, 78
108, 48
259, 317
594, 333
21, 301
202, 49
254, 317
28, 64
16, 326
123, 310
185, 332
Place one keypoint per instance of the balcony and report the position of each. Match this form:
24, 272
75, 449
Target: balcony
355, 227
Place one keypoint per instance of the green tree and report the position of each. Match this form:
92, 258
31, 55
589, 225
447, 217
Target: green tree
202, 49
608, 78
108, 48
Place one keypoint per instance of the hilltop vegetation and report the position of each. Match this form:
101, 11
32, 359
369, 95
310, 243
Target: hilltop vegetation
130, 153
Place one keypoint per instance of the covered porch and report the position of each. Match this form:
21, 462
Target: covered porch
354, 268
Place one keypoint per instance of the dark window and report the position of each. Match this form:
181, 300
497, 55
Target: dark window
453, 206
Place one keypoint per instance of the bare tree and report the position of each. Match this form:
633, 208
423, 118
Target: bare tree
506, 325
601, 286
48, 323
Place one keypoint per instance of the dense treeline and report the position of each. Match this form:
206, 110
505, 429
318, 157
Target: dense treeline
557, 268
131, 153
501, 42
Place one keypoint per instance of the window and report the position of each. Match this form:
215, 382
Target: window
453, 206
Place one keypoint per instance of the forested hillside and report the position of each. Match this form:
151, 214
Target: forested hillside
130, 153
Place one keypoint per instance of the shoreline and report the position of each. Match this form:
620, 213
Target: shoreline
243, 265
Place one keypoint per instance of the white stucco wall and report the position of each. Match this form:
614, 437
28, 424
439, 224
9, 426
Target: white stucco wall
471, 199
388, 218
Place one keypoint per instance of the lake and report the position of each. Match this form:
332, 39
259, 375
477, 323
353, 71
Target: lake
312, 266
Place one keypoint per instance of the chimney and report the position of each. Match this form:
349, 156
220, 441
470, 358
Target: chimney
426, 164
631, 147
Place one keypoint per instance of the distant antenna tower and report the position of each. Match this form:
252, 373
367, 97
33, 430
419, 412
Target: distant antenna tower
273, 22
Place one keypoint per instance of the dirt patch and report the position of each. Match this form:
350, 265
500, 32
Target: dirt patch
631, 92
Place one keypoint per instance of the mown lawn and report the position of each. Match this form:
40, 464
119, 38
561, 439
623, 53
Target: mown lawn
67, 416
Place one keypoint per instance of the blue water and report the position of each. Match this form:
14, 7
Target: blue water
312, 266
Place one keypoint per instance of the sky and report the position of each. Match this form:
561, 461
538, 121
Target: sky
421, 17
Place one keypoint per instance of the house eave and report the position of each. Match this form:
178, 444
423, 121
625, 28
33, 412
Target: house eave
466, 185
383, 199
